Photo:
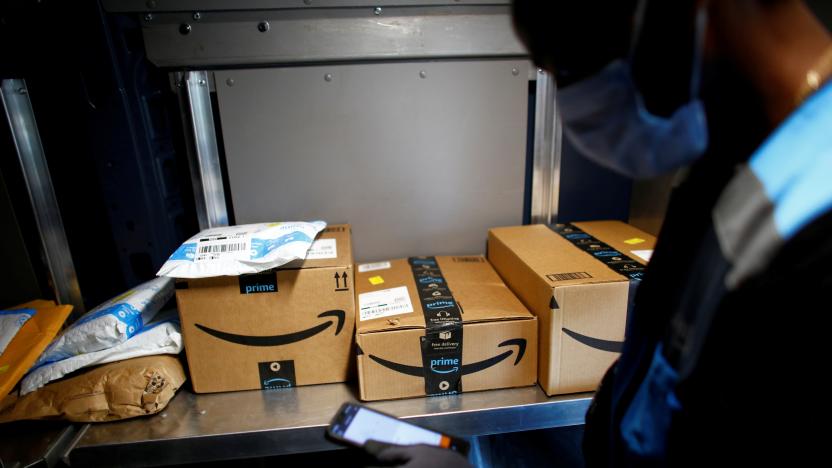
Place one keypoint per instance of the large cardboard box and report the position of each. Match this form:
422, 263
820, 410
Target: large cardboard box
577, 279
285, 327
440, 325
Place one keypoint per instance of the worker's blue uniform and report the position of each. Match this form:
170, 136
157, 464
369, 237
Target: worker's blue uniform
725, 350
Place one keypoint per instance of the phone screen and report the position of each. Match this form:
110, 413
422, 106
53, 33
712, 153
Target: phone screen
358, 425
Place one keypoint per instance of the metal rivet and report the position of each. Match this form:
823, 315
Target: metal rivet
263, 26
197, 16
230, 82
377, 11
164, 415
202, 82
151, 3
184, 29
540, 71
328, 77
515, 71
423, 74
148, 17
203, 412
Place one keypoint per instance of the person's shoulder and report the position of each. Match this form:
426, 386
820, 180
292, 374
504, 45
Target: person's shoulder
798, 276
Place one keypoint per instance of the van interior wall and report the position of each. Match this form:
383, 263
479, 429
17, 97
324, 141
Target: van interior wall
20, 283
109, 136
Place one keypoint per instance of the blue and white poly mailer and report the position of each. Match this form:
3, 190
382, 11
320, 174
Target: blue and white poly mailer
162, 336
111, 323
10, 323
243, 249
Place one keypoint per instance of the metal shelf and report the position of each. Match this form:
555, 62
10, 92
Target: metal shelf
223, 426
35, 443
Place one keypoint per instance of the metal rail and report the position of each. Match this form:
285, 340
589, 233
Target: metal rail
24, 129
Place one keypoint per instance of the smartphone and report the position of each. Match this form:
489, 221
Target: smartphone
355, 424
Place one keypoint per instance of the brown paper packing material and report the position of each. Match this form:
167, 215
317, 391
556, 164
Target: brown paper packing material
276, 329
30, 341
580, 301
119, 390
499, 336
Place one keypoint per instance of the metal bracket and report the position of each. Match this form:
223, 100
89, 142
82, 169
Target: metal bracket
24, 129
203, 154
547, 152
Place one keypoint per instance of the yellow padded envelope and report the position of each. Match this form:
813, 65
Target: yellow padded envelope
31, 340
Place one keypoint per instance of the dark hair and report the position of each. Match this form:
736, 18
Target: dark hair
578, 36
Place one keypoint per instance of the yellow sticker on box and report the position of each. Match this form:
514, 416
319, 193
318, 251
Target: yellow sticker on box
634, 241
376, 280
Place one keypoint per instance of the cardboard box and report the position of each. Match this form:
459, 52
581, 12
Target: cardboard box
280, 328
577, 281
440, 325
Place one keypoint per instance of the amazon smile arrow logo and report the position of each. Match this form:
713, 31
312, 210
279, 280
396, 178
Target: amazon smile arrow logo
418, 371
279, 340
597, 343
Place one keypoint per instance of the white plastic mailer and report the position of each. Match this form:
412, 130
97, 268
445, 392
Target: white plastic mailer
237, 250
162, 336
10, 323
111, 323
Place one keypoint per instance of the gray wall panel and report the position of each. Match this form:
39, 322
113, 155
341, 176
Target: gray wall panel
417, 165
340, 34
226, 5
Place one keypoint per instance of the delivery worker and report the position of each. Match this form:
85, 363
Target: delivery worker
726, 346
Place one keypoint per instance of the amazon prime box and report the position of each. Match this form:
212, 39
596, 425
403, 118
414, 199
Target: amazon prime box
440, 325
281, 328
578, 279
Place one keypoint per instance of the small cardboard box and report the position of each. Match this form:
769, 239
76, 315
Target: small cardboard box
405, 348
280, 328
577, 281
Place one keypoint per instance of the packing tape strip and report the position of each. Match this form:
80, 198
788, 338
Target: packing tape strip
612, 258
442, 344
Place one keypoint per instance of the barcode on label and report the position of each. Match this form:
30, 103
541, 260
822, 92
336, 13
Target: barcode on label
322, 248
228, 247
469, 259
383, 303
568, 276
222, 248
390, 309
365, 267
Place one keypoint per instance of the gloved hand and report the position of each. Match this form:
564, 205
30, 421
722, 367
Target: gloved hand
415, 456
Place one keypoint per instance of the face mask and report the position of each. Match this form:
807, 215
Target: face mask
605, 119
